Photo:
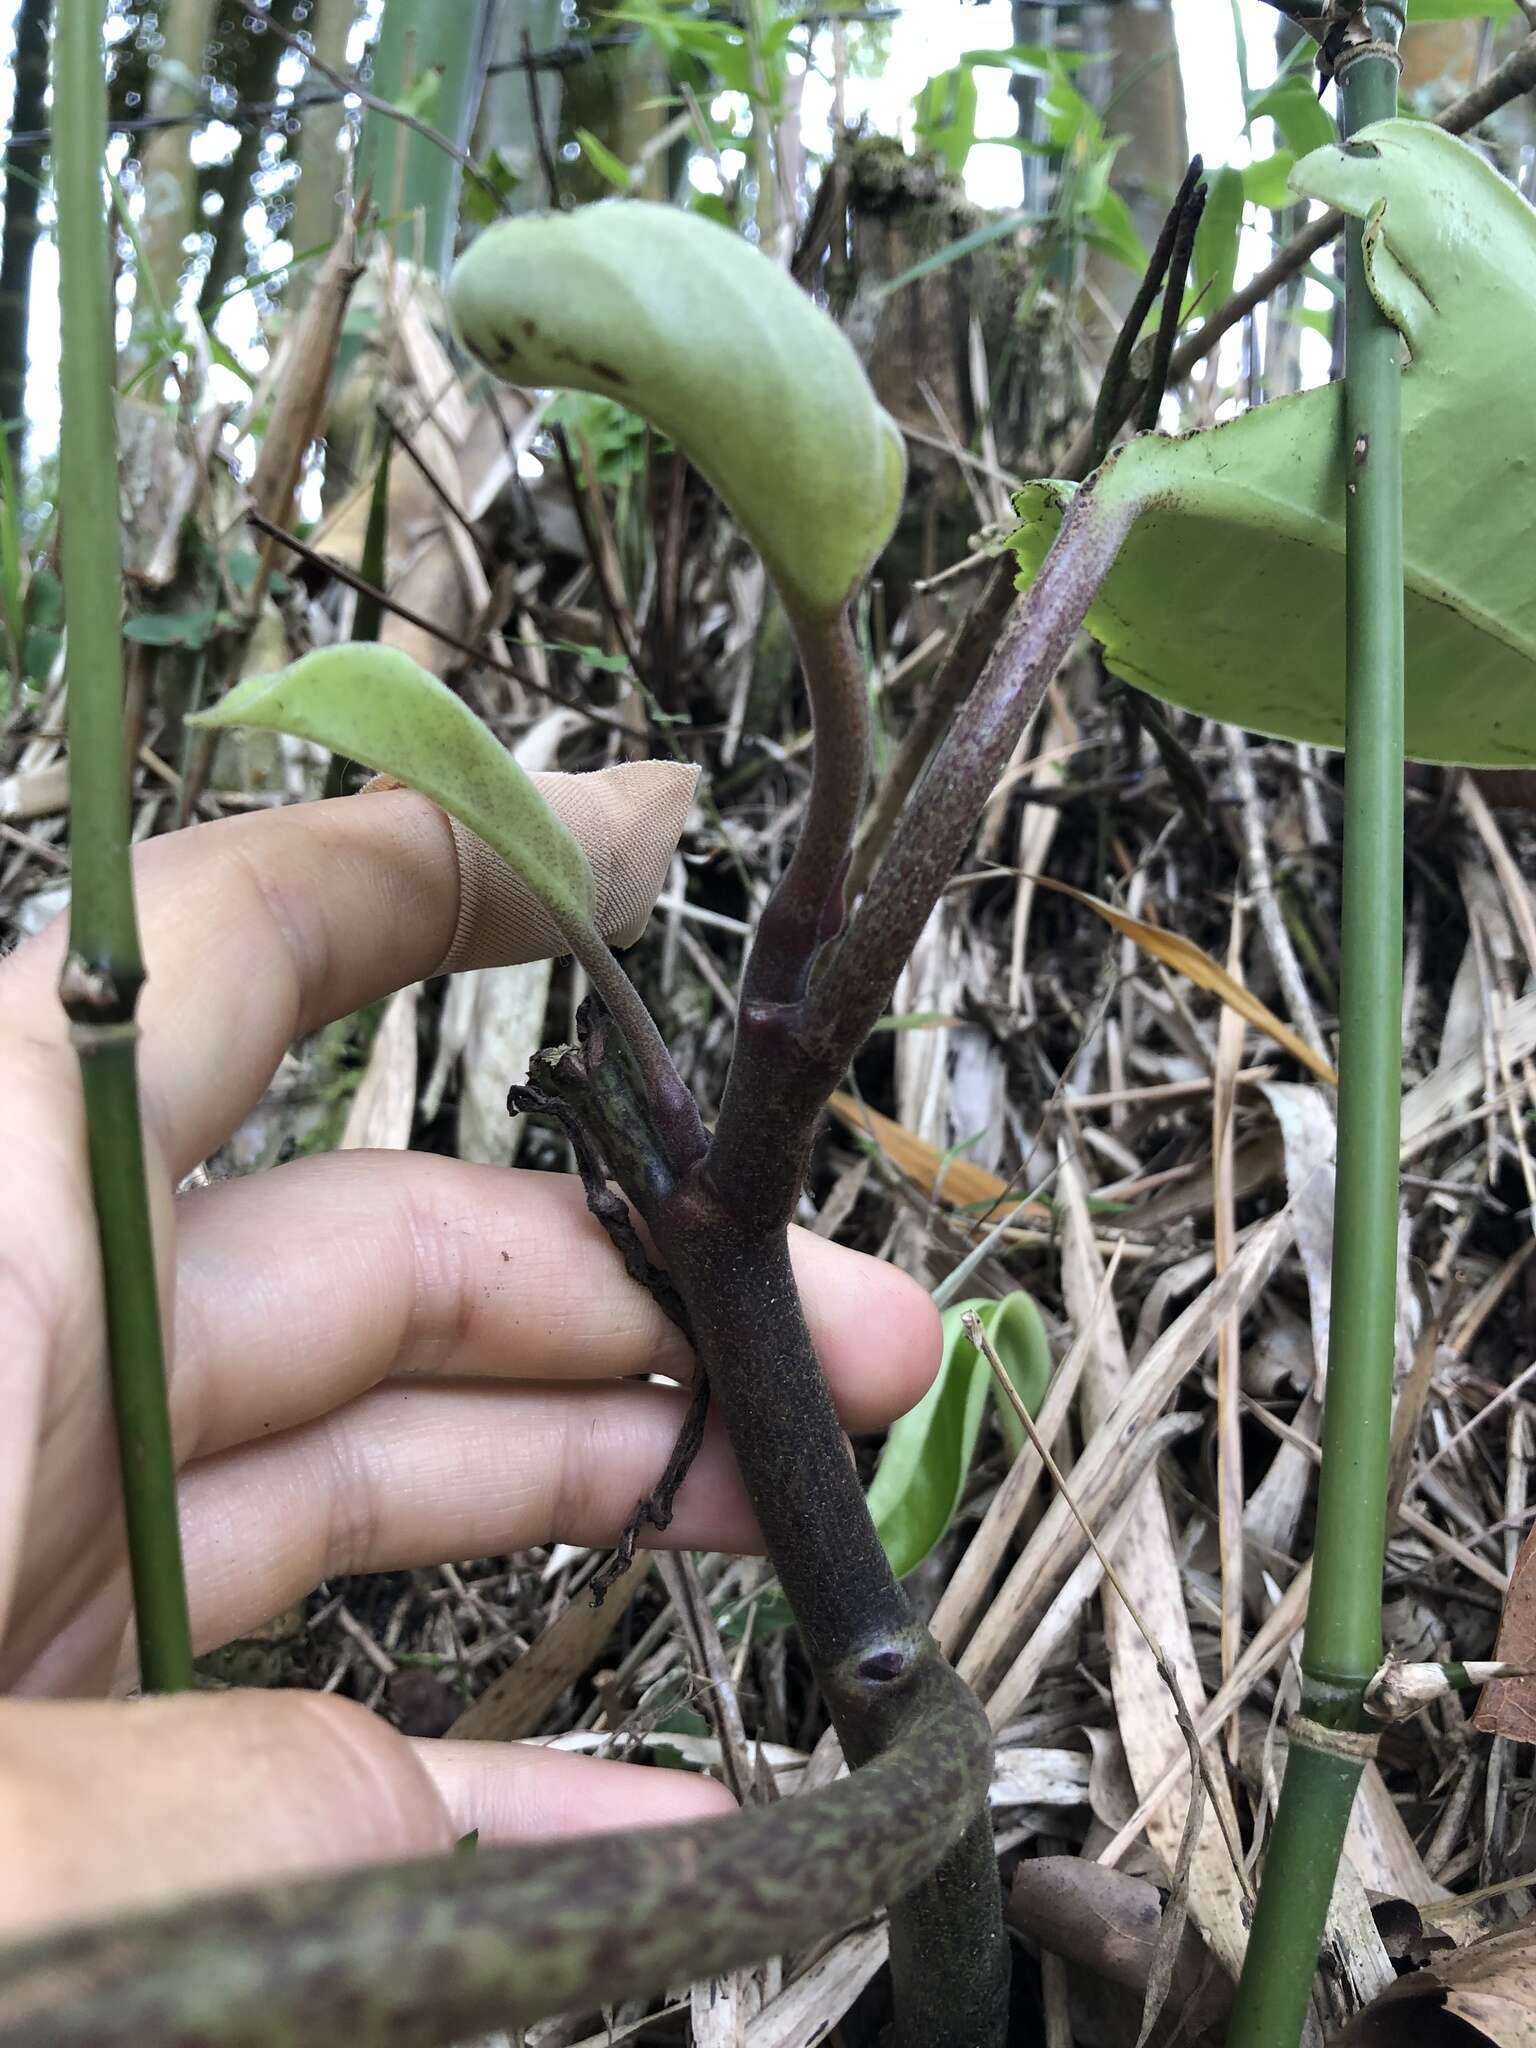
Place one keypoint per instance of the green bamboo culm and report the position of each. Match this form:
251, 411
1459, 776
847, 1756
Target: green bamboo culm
1329, 1742
104, 971
428, 58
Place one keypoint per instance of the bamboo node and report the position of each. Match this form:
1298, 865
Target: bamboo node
90, 1038
1351, 53
1350, 1745
97, 993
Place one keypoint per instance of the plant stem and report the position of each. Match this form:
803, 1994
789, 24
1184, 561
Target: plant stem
805, 912
964, 659
879, 1669
421, 1954
104, 971
439, 1950
23, 177
672, 1104
940, 816
1328, 1744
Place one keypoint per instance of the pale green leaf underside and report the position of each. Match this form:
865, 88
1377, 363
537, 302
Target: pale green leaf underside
1228, 597
920, 1480
690, 326
375, 705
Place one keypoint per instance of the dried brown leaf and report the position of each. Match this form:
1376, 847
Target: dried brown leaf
517, 1703
1147, 1560
1186, 958
384, 1106
1488, 1988
955, 1181
1049, 1555
1508, 1705
1108, 1922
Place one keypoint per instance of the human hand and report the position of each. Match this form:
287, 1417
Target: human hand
380, 1360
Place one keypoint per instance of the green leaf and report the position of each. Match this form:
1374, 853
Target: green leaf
242, 566
43, 630
1067, 114
1228, 597
12, 577
1215, 256
945, 113
1292, 104
1461, 10
171, 629
695, 329
964, 245
1318, 318
603, 160
478, 205
377, 706
368, 611
923, 1468
1267, 183
1029, 60
1113, 231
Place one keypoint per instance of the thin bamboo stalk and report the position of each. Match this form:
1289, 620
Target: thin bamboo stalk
170, 181
415, 181
104, 970
1329, 1744
23, 177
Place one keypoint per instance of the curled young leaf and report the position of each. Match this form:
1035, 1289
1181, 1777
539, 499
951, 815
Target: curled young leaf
921, 1476
377, 706
1228, 596
687, 324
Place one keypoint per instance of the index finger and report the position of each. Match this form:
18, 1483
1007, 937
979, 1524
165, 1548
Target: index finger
255, 931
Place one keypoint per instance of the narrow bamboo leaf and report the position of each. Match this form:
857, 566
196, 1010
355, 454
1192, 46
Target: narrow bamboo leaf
1112, 231
603, 160
1267, 183
1292, 104
1186, 958
922, 1472
376, 705
1215, 259
1228, 596
920, 1020
964, 245
692, 327
368, 613
1029, 60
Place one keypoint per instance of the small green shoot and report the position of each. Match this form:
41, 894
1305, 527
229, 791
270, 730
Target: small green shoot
920, 1481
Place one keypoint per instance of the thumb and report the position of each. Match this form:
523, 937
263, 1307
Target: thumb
108, 1806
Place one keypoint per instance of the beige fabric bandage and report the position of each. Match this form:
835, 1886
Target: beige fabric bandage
627, 820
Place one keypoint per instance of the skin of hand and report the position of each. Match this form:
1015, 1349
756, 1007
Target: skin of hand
378, 1361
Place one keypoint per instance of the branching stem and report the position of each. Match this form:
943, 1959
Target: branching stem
807, 907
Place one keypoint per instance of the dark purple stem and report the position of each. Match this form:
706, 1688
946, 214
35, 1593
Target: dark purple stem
806, 909
790, 1055
941, 816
